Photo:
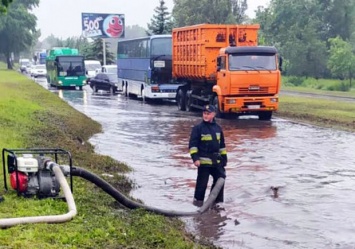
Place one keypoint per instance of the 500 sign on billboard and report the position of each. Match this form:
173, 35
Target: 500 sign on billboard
103, 25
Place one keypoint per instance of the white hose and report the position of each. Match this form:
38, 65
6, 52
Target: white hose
8, 222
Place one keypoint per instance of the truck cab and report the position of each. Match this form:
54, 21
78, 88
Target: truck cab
248, 79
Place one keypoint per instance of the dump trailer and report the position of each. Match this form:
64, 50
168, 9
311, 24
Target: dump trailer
224, 66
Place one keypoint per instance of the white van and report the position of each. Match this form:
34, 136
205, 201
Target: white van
91, 68
109, 69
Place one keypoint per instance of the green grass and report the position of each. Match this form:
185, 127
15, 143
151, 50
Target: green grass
32, 117
322, 112
323, 86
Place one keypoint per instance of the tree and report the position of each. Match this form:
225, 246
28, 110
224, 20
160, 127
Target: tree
238, 9
342, 59
294, 28
4, 4
134, 31
95, 52
19, 29
189, 12
161, 22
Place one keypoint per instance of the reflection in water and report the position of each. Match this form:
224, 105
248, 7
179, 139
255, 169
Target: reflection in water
312, 168
68, 95
208, 225
76, 95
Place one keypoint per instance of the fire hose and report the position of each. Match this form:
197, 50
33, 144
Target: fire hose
121, 198
61, 171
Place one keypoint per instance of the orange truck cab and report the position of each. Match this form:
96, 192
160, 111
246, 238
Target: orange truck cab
223, 65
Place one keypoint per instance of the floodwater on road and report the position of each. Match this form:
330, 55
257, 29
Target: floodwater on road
311, 169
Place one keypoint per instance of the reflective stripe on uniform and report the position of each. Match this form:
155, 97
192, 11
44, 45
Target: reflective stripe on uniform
206, 137
193, 150
206, 160
223, 151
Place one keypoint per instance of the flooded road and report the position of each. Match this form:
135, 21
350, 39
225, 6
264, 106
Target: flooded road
311, 169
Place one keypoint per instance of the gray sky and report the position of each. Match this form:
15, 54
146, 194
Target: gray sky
62, 18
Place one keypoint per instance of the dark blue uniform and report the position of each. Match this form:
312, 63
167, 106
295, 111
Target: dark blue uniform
207, 145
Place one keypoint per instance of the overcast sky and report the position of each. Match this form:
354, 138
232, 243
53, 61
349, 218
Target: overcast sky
62, 18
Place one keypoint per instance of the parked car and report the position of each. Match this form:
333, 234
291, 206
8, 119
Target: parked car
24, 63
31, 70
39, 71
105, 82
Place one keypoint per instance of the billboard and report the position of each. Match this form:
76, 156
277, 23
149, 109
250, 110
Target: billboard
96, 25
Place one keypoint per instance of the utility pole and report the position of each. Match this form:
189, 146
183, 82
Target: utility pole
104, 51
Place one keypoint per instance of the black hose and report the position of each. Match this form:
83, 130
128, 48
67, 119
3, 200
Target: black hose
121, 198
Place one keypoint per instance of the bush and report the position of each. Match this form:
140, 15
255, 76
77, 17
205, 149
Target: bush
293, 81
336, 86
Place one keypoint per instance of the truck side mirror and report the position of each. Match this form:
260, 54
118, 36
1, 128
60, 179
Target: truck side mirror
219, 60
280, 63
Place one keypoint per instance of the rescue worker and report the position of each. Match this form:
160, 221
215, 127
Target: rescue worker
208, 153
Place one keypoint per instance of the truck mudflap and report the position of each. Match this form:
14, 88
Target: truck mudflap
250, 104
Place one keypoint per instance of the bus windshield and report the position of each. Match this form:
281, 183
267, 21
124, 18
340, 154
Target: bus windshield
161, 46
253, 62
71, 66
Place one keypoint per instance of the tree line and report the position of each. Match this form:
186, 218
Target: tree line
316, 38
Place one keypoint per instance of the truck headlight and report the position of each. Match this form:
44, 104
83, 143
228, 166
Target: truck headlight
60, 82
231, 101
273, 100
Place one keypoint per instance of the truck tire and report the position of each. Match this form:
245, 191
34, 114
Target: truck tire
188, 103
265, 115
94, 88
219, 114
180, 99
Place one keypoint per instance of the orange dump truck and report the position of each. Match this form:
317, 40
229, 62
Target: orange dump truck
223, 65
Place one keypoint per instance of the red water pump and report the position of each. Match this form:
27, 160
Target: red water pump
30, 175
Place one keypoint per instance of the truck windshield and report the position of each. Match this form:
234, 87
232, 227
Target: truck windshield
252, 62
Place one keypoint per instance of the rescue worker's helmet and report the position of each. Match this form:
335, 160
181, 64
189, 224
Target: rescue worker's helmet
209, 108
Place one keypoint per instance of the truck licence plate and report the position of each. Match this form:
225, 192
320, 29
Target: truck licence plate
253, 106
171, 95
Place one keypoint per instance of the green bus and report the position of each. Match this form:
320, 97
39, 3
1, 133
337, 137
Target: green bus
65, 68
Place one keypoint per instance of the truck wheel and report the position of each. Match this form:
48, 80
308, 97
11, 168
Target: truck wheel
112, 91
180, 98
188, 105
265, 115
219, 114
94, 88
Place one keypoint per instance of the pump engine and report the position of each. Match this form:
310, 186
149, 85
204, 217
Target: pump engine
30, 176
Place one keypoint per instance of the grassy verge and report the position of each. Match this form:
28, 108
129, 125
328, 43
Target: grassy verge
350, 93
31, 117
321, 112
